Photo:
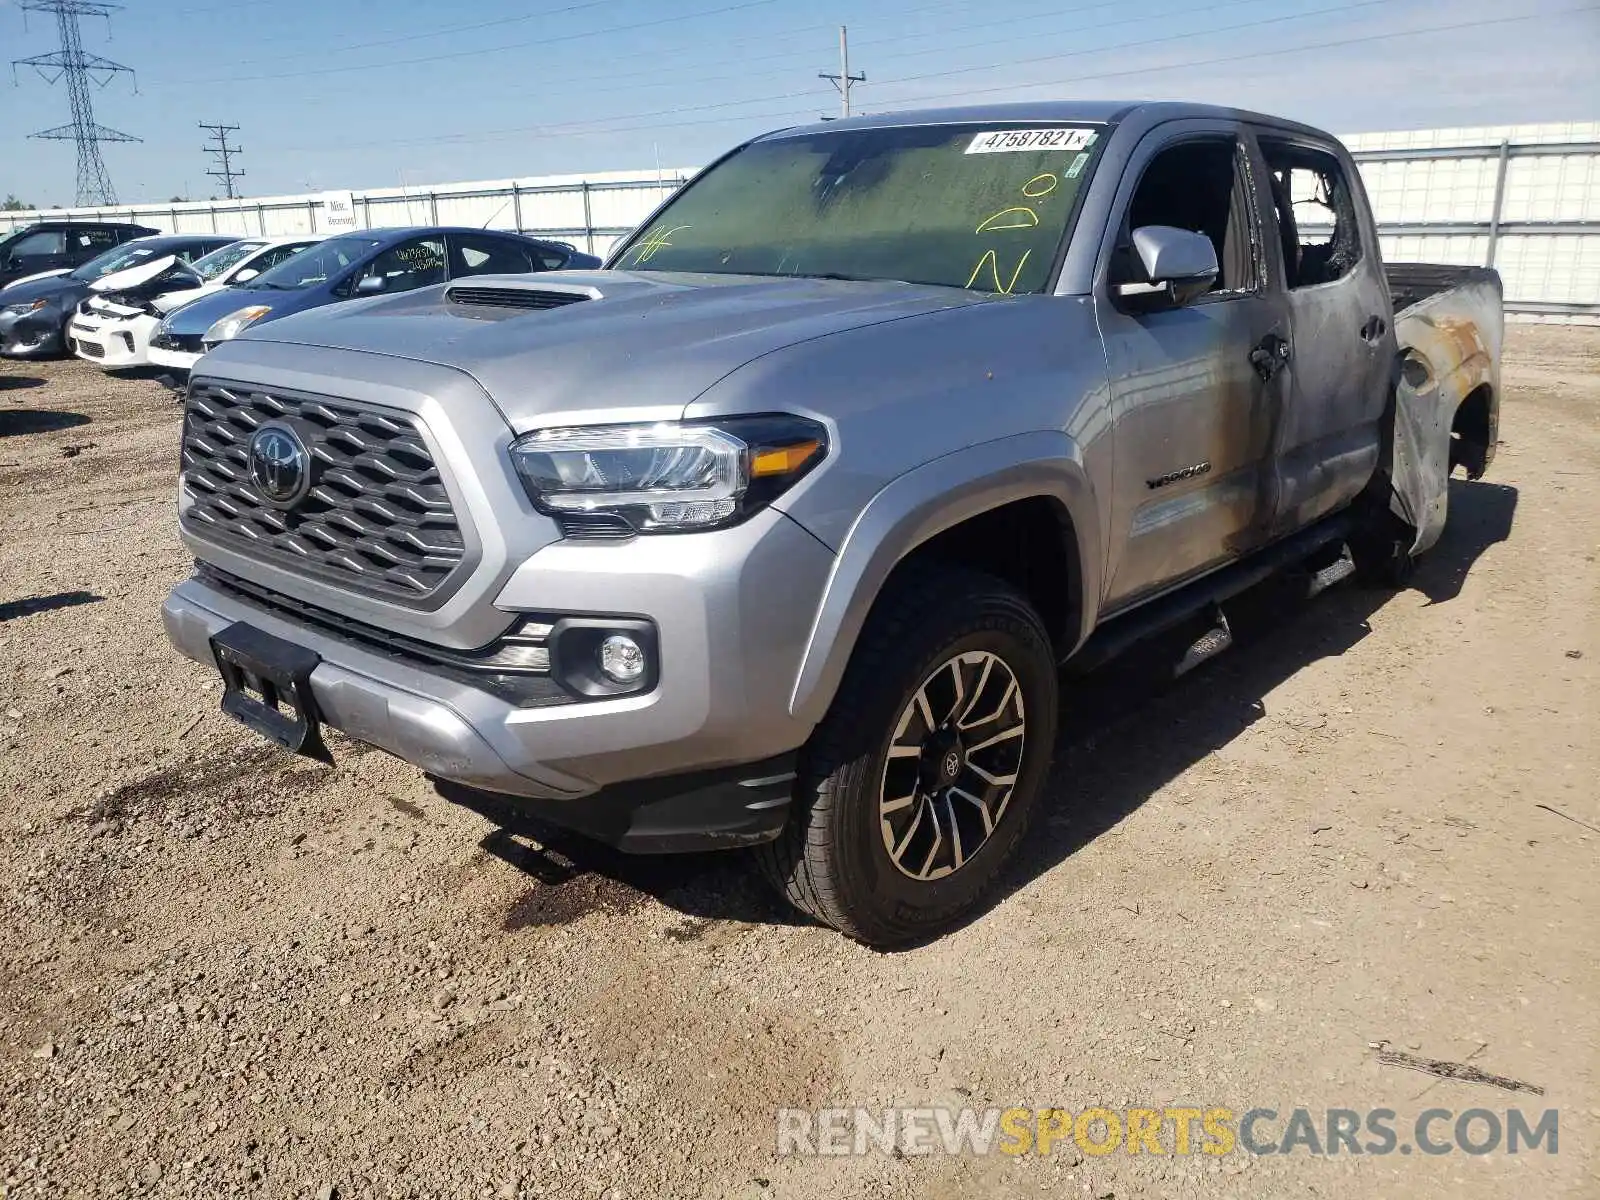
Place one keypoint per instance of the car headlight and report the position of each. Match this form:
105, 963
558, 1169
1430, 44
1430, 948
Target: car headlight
234, 323
17, 310
670, 477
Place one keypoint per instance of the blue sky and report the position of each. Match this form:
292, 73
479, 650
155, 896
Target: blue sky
332, 93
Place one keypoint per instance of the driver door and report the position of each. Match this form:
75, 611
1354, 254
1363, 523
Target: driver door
1191, 410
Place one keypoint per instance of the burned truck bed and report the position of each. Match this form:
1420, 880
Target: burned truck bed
1449, 322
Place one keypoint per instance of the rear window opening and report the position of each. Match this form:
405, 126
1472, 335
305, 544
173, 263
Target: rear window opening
1317, 223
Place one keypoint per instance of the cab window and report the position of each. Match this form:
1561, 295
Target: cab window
93, 241
1202, 185
37, 245
484, 254
1316, 214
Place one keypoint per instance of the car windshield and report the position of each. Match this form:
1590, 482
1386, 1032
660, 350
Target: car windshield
314, 265
209, 266
120, 259
969, 206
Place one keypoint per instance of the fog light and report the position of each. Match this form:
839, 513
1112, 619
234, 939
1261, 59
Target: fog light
622, 658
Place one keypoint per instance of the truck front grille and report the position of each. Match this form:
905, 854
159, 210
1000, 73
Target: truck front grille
376, 518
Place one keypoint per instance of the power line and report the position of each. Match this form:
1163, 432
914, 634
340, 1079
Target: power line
844, 81
594, 129
673, 73
426, 35
432, 58
223, 153
1365, 39
579, 127
79, 69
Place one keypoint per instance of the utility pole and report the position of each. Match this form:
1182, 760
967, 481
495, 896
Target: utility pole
79, 69
224, 154
843, 80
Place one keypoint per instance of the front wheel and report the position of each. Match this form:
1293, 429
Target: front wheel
916, 788
1381, 549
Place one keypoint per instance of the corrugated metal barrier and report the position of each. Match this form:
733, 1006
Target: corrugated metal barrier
1522, 198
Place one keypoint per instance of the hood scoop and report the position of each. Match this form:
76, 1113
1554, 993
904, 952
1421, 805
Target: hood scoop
511, 296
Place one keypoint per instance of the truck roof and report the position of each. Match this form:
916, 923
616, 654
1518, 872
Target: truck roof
1149, 112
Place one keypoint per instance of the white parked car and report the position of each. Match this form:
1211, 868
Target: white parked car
113, 327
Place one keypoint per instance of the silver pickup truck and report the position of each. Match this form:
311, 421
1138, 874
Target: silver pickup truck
778, 531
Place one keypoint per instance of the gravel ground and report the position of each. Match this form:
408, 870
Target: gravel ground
227, 972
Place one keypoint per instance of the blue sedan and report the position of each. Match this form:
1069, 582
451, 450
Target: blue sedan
368, 262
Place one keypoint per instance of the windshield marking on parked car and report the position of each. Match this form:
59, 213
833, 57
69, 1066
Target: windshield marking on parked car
991, 260
1016, 217
1009, 218
1046, 178
1005, 141
655, 241
898, 203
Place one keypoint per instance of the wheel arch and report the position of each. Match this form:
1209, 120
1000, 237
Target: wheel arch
1020, 508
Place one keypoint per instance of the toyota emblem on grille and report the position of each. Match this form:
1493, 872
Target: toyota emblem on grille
280, 464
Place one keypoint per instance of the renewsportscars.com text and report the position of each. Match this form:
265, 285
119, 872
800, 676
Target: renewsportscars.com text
1165, 1131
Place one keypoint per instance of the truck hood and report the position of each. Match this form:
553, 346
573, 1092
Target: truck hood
634, 345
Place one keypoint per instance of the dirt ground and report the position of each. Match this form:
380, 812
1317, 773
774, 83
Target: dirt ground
1371, 826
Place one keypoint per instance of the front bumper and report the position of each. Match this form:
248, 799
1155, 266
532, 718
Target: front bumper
177, 360
32, 335
732, 609
117, 342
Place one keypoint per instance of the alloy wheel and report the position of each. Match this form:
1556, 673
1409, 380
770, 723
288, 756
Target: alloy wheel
952, 765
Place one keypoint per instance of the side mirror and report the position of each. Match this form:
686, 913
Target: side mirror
371, 285
1179, 266
246, 275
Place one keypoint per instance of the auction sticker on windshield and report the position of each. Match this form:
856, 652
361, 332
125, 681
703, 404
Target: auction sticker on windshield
1000, 141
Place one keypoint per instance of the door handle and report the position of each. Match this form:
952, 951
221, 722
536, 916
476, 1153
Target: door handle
1374, 329
1270, 355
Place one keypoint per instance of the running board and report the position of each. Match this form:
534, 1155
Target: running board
1207, 646
1335, 572
1166, 612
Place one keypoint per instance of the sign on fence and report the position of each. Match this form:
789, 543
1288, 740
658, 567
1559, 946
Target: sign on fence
337, 212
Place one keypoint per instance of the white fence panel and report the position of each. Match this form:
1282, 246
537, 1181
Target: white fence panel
589, 211
1523, 198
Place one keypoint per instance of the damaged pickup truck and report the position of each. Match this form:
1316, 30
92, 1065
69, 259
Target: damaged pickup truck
779, 530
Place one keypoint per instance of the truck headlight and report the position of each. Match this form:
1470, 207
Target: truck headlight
234, 323
670, 477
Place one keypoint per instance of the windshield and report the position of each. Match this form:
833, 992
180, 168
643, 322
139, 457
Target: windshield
209, 266
314, 265
120, 258
970, 206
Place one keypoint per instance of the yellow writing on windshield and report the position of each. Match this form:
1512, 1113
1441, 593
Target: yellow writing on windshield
1009, 218
653, 242
991, 260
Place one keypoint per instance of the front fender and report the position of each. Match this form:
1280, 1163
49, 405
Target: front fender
922, 503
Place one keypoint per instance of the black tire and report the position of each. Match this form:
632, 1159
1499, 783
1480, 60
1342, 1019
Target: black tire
1381, 550
832, 860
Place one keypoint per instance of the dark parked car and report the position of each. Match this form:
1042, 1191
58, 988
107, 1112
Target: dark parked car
34, 314
369, 262
60, 246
